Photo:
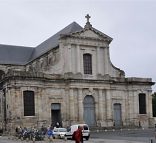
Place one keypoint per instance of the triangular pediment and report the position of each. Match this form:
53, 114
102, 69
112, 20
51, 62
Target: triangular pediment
92, 33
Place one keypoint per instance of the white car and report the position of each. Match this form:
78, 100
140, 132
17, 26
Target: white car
71, 129
59, 132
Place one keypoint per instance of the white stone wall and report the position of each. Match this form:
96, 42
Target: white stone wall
68, 57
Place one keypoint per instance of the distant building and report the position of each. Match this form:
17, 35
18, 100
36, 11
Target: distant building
69, 79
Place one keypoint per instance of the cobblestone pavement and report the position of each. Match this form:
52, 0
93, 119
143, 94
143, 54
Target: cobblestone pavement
5, 139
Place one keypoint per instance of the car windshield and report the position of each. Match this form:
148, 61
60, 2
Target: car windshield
62, 130
85, 127
68, 129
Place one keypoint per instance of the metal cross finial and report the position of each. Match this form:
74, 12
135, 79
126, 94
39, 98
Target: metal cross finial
87, 17
88, 25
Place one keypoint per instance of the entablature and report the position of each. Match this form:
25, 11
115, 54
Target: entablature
88, 41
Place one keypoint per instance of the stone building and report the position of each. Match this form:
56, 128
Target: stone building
69, 78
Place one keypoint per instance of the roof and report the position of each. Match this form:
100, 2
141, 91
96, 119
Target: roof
19, 55
52, 42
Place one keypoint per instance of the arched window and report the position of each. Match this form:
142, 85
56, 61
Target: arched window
29, 103
142, 103
87, 63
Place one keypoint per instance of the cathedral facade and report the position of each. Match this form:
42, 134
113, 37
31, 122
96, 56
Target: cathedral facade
69, 78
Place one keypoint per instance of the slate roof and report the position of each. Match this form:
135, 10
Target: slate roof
19, 55
15, 55
52, 42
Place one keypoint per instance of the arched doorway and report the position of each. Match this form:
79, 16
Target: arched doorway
117, 115
89, 110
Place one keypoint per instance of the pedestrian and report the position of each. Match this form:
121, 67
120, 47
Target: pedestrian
57, 125
77, 135
50, 135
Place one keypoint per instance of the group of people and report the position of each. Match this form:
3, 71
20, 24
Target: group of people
77, 135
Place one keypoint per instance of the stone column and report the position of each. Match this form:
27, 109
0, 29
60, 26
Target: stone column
78, 58
98, 61
109, 105
39, 103
130, 107
100, 105
69, 58
71, 105
136, 104
80, 105
106, 59
149, 106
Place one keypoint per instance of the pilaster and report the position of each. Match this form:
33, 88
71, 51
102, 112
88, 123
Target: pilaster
80, 105
106, 70
78, 58
100, 105
69, 58
98, 60
109, 108
71, 105
149, 106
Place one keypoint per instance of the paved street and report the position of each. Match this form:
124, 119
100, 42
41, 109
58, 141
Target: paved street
110, 136
6, 140
141, 135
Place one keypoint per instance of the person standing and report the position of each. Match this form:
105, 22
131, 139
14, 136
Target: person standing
50, 135
77, 135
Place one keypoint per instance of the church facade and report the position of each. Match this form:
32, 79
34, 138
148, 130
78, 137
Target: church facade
69, 78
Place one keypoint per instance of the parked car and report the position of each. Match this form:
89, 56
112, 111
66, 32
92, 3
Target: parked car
71, 129
59, 132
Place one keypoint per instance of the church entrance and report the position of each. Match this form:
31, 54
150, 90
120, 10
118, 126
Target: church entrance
89, 110
56, 114
117, 115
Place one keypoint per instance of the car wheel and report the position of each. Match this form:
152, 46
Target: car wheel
87, 138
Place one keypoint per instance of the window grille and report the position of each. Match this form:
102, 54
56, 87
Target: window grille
29, 104
87, 63
142, 103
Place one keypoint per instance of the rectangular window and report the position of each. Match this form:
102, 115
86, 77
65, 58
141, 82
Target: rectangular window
87, 63
142, 103
29, 104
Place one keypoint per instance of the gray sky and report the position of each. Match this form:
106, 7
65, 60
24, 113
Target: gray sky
131, 24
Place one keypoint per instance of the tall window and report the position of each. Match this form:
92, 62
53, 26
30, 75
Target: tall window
142, 103
29, 104
87, 63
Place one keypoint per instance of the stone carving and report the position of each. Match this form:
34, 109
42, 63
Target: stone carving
53, 57
45, 63
89, 91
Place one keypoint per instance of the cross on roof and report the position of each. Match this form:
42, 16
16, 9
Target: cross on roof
87, 17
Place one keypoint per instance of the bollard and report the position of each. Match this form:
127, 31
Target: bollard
21, 138
33, 140
27, 139
151, 140
65, 138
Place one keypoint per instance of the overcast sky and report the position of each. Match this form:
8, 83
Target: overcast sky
131, 24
